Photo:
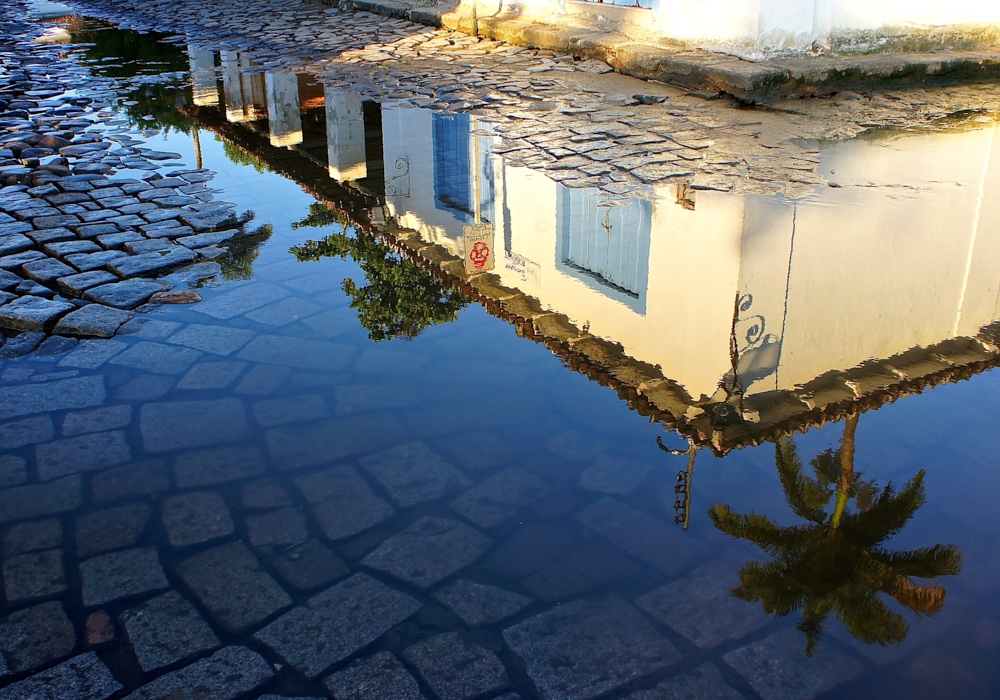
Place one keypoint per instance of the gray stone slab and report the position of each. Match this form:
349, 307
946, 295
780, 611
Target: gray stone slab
211, 375
294, 409
262, 380
297, 352
778, 669
230, 583
97, 420
32, 314
148, 328
76, 285
12, 471
702, 683
218, 465
91, 354
36, 500
478, 604
413, 473
14, 262
265, 494
92, 321
20, 345
355, 398
157, 358
69, 247
380, 676
84, 677
585, 649
87, 262
284, 312
218, 340
457, 669
185, 424
337, 623
33, 576
47, 271
149, 264
31, 537
125, 295
193, 518
8, 280
118, 575
242, 299
308, 444
165, 630
499, 497
282, 527
342, 502
229, 673
113, 528
586, 566
614, 475
428, 551
36, 637
145, 387
134, 480
310, 565
81, 454
204, 239
28, 431
55, 345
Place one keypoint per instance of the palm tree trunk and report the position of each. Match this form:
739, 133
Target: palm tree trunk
846, 480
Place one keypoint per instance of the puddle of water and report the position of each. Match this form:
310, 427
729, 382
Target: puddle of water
335, 390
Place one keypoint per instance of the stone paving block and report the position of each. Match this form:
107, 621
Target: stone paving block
29, 431
478, 604
157, 358
457, 669
297, 352
585, 649
47, 271
282, 527
165, 630
84, 677
36, 637
499, 497
428, 551
52, 236
93, 321
118, 575
211, 375
148, 328
20, 345
265, 494
201, 240
702, 683
145, 387
614, 475
586, 566
81, 454
356, 398
14, 262
218, 340
8, 280
262, 380
337, 623
185, 424
32, 576
12, 471
193, 518
61, 248
31, 537
134, 480
218, 465
242, 299
170, 231
309, 444
91, 354
36, 500
310, 565
125, 295
32, 313
112, 241
97, 420
95, 230
284, 312
77, 284
294, 409
778, 669
380, 676
229, 673
114, 528
17, 243
413, 473
230, 583
86, 262
145, 245
342, 502
55, 345
55, 221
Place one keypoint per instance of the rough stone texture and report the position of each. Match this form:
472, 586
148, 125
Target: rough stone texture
109, 529
165, 630
32, 313
584, 567
150, 264
211, 375
97, 420
124, 295
120, 575
614, 475
413, 473
91, 354
457, 669
12, 471
702, 683
93, 320
157, 358
31, 537
81, 454
20, 345
218, 465
99, 629
230, 583
478, 604
284, 312
28, 431
227, 674
83, 677
428, 551
185, 424
35, 500
285, 526
76, 285
294, 409
585, 649
337, 623
342, 502
262, 380
131, 481
79, 392
217, 340
33, 576
193, 518
309, 444
145, 387
242, 299
310, 565
265, 494
296, 352
494, 500
37, 636
379, 676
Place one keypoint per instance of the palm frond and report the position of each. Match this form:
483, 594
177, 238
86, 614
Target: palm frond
805, 496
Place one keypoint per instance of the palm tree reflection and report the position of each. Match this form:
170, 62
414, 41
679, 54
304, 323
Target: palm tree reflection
836, 564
